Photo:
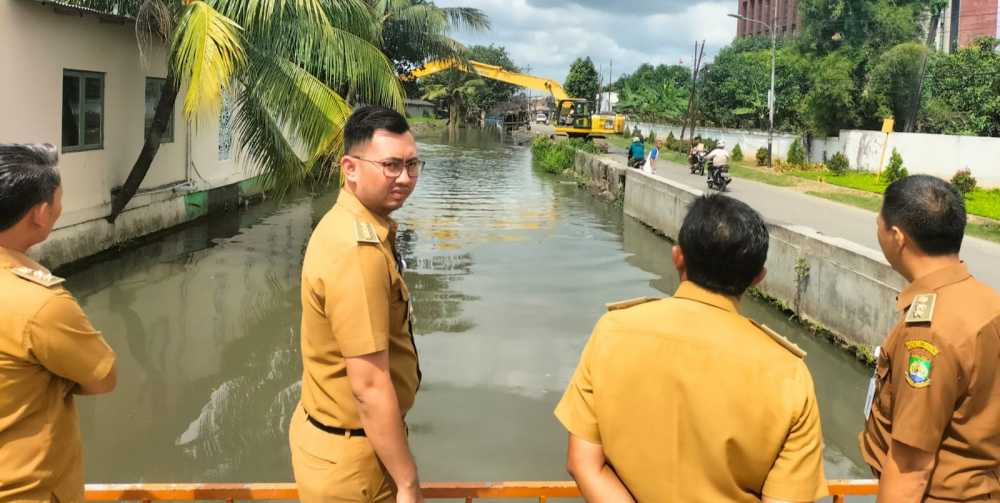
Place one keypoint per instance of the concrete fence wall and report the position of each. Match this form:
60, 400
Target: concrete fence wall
930, 154
846, 288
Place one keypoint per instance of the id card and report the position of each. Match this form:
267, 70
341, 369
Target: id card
871, 385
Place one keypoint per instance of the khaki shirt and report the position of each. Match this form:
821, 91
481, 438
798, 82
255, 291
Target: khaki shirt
938, 384
47, 346
719, 158
692, 402
354, 303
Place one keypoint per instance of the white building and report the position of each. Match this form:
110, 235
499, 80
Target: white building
75, 78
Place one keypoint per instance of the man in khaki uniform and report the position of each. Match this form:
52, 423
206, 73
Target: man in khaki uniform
49, 351
933, 414
686, 400
360, 375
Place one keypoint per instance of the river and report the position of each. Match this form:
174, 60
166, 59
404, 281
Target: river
510, 268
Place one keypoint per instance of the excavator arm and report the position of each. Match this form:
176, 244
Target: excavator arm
495, 73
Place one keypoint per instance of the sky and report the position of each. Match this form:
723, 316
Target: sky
547, 35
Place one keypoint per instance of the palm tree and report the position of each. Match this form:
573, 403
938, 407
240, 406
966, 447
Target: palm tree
456, 88
279, 59
413, 31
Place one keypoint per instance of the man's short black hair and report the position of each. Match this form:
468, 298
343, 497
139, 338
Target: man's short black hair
724, 243
363, 123
929, 210
28, 177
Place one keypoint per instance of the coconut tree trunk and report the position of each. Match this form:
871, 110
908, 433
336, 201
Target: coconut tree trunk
932, 29
454, 112
164, 107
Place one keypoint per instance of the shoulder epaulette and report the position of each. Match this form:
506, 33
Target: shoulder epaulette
780, 339
625, 304
44, 278
365, 232
922, 308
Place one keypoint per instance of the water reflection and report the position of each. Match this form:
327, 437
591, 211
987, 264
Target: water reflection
510, 269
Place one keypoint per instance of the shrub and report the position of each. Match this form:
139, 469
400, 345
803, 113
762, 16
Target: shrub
670, 139
964, 181
796, 154
553, 156
737, 153
651, 139
838, 164
762, 156
895, 170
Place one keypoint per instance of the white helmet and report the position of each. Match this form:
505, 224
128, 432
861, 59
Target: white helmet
721, 144
635, 138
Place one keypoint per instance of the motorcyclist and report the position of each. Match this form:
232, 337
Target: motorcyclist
719, 157
636, 153
696, 149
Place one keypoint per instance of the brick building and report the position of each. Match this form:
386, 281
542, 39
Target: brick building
763, 10
961, 23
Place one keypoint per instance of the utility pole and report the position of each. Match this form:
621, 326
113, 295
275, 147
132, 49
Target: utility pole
773, 27
611, 75
692, 96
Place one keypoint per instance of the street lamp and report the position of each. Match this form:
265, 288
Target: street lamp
770, 95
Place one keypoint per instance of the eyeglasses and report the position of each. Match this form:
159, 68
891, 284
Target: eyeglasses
392, 168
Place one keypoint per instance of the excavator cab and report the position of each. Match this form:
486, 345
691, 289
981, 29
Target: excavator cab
574, 113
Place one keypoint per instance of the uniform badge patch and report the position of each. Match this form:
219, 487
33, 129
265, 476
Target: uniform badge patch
922, 309
44, 278
918, 371
365, 232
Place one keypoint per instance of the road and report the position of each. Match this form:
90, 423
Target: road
781, 205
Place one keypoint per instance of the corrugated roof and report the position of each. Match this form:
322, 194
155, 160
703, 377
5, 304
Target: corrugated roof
114, 10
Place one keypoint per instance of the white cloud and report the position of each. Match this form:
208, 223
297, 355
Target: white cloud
547, 35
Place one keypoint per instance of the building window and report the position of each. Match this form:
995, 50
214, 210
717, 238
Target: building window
82, 111
154, 87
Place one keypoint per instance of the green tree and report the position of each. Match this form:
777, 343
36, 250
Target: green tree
582, 80
964, 90
893, 82
279, 58
414, 31
654, 93
895, 170
830, 105
456, 89
494, 92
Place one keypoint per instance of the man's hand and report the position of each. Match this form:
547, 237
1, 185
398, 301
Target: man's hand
597, 481
378, 406
409, 496
906, 474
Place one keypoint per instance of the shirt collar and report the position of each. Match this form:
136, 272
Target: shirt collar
933, 281
385, 227
691, 291
10, 259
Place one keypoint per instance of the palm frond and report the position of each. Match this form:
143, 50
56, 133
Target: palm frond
467, 18
261, 144
207, 52
299, 102
256, 15
154, 25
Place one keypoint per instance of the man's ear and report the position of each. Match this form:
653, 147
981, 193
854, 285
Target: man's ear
759, 277
38, 215
349, 166
680, 263
899, 238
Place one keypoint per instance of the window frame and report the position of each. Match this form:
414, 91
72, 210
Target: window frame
170, 122
82, 75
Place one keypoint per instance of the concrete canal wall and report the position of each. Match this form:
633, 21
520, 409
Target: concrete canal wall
841, 286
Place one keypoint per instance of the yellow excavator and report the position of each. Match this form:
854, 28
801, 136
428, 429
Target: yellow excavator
575, 117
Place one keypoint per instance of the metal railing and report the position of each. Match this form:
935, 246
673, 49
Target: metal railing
469, 491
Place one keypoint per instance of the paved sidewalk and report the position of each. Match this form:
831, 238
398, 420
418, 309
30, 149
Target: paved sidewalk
780, 205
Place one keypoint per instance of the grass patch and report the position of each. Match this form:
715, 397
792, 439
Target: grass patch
989, 232
985, 203
858, 180
741, 170
869, 202
556, 156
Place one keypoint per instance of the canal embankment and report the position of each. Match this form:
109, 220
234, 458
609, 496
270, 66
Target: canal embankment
844, 289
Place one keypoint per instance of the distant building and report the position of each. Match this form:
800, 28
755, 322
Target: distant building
960, 23
419, 108
763, 11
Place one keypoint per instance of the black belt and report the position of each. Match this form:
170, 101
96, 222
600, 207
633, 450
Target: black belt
360, 432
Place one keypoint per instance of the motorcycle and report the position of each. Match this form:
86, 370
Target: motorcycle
718, 178
696, 163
